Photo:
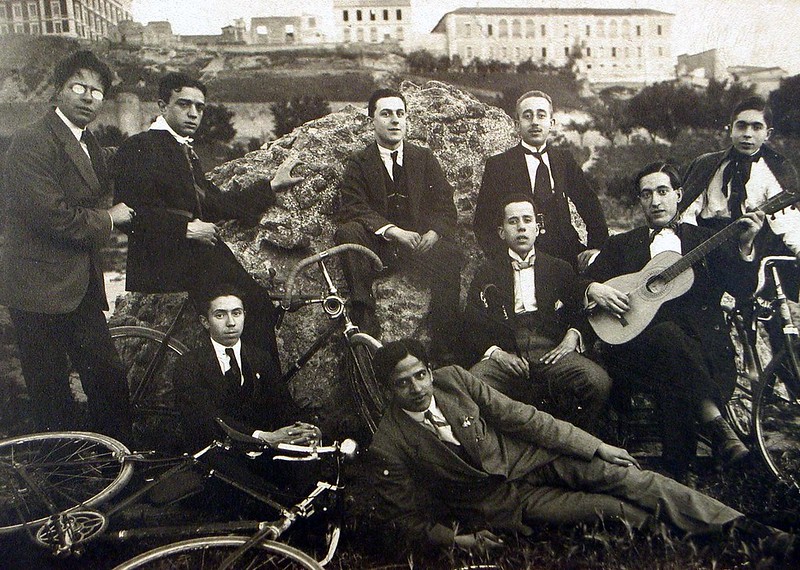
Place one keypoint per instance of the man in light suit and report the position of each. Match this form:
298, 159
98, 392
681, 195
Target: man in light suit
551, 176
684, 356
453, 461
55, 184
174, 243
396, 201
235, 381
523, 316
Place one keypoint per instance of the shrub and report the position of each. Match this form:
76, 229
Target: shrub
291, 114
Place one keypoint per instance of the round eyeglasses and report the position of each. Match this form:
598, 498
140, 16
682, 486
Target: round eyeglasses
80, 89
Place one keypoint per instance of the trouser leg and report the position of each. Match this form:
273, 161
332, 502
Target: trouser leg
357, 269
585, 489
45, 368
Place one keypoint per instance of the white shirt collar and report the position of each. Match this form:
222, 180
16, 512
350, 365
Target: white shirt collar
420, 416
533, 148
74, 129
513, 255
386, 154
222, 358
161, 124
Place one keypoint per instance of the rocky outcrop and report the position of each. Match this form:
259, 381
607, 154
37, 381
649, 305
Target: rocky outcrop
461, 131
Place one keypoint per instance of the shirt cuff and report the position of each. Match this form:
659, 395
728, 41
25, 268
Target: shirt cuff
382, 231
112, 220
490, 351
581, 345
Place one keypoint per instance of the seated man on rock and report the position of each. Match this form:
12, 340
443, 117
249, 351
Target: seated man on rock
454, 461
523, 314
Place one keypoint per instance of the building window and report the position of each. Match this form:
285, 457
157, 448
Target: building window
345, 16
3, 27
516, 29
385, 15
638, 52
517, 54
543, 30
57, 27
588, 52
347, 35
400, 33
504, 53
613, 52
544, 52
469, 53
16, 9
638, 30
55, 10
19, 28
588, 30
503, 29
661, 51
360, 35
467, 30
566, 51
566, 30
312, 22
373, 35
601, 29
372, 15
530, 29
3, 12
658, 29
359, 16
627, 52
399, 14
612, 29
33, 10
489, 30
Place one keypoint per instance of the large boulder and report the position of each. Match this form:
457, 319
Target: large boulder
461, 131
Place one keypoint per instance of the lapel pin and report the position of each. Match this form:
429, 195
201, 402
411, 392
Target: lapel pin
467, 421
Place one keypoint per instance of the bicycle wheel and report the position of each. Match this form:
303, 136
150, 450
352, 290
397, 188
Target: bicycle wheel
367, 393
777, 419
739, 408
149, 379
43, 474
211, 553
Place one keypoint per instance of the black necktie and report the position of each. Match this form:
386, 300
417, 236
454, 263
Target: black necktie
736, 174
397, 170
520, 265
542, 182
234, 373
95, 155
194, 168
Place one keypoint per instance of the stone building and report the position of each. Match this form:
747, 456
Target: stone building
371, 21
698, 69
87, 19
606, 45
286, 30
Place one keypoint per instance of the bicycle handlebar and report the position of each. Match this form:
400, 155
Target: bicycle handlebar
377, 264
762, 269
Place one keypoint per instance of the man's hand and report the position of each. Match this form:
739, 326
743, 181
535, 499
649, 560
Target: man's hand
405, 238
427, 241
584, 257
483, 540
510, 363
201, 231
283, 176
568, 344
299, 433
616, 455
608, 298
752, 222
121, 214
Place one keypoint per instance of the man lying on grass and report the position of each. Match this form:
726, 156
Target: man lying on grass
455, 461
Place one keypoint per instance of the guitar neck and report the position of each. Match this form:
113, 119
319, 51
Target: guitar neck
774, 204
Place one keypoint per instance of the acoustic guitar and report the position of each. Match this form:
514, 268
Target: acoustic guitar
665, 277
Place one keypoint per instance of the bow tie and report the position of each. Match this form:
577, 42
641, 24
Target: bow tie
520, 265
674, 225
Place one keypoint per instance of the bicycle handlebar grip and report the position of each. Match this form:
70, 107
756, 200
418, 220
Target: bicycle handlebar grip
377, 264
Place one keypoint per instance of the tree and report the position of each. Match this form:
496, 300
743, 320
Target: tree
664, 109
291, 114
785, 103
420, 61
719, 99
217, 125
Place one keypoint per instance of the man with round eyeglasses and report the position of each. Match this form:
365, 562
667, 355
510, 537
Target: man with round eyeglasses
55, 186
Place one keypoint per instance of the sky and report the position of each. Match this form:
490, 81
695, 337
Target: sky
754, 33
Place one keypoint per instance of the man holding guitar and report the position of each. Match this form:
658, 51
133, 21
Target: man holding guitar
684, 354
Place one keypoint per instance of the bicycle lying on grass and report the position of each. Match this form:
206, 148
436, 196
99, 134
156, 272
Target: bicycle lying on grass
53, 485
149, 355
765, 408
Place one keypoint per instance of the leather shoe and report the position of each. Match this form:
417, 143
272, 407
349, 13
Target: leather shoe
726, 445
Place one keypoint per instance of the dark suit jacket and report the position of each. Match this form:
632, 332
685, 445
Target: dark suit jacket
556, 284
507, 173
364, 195
698, 310
56, 220
153, 176
422, 485
202, 394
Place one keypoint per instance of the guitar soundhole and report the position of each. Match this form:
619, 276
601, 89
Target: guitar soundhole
656, 285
